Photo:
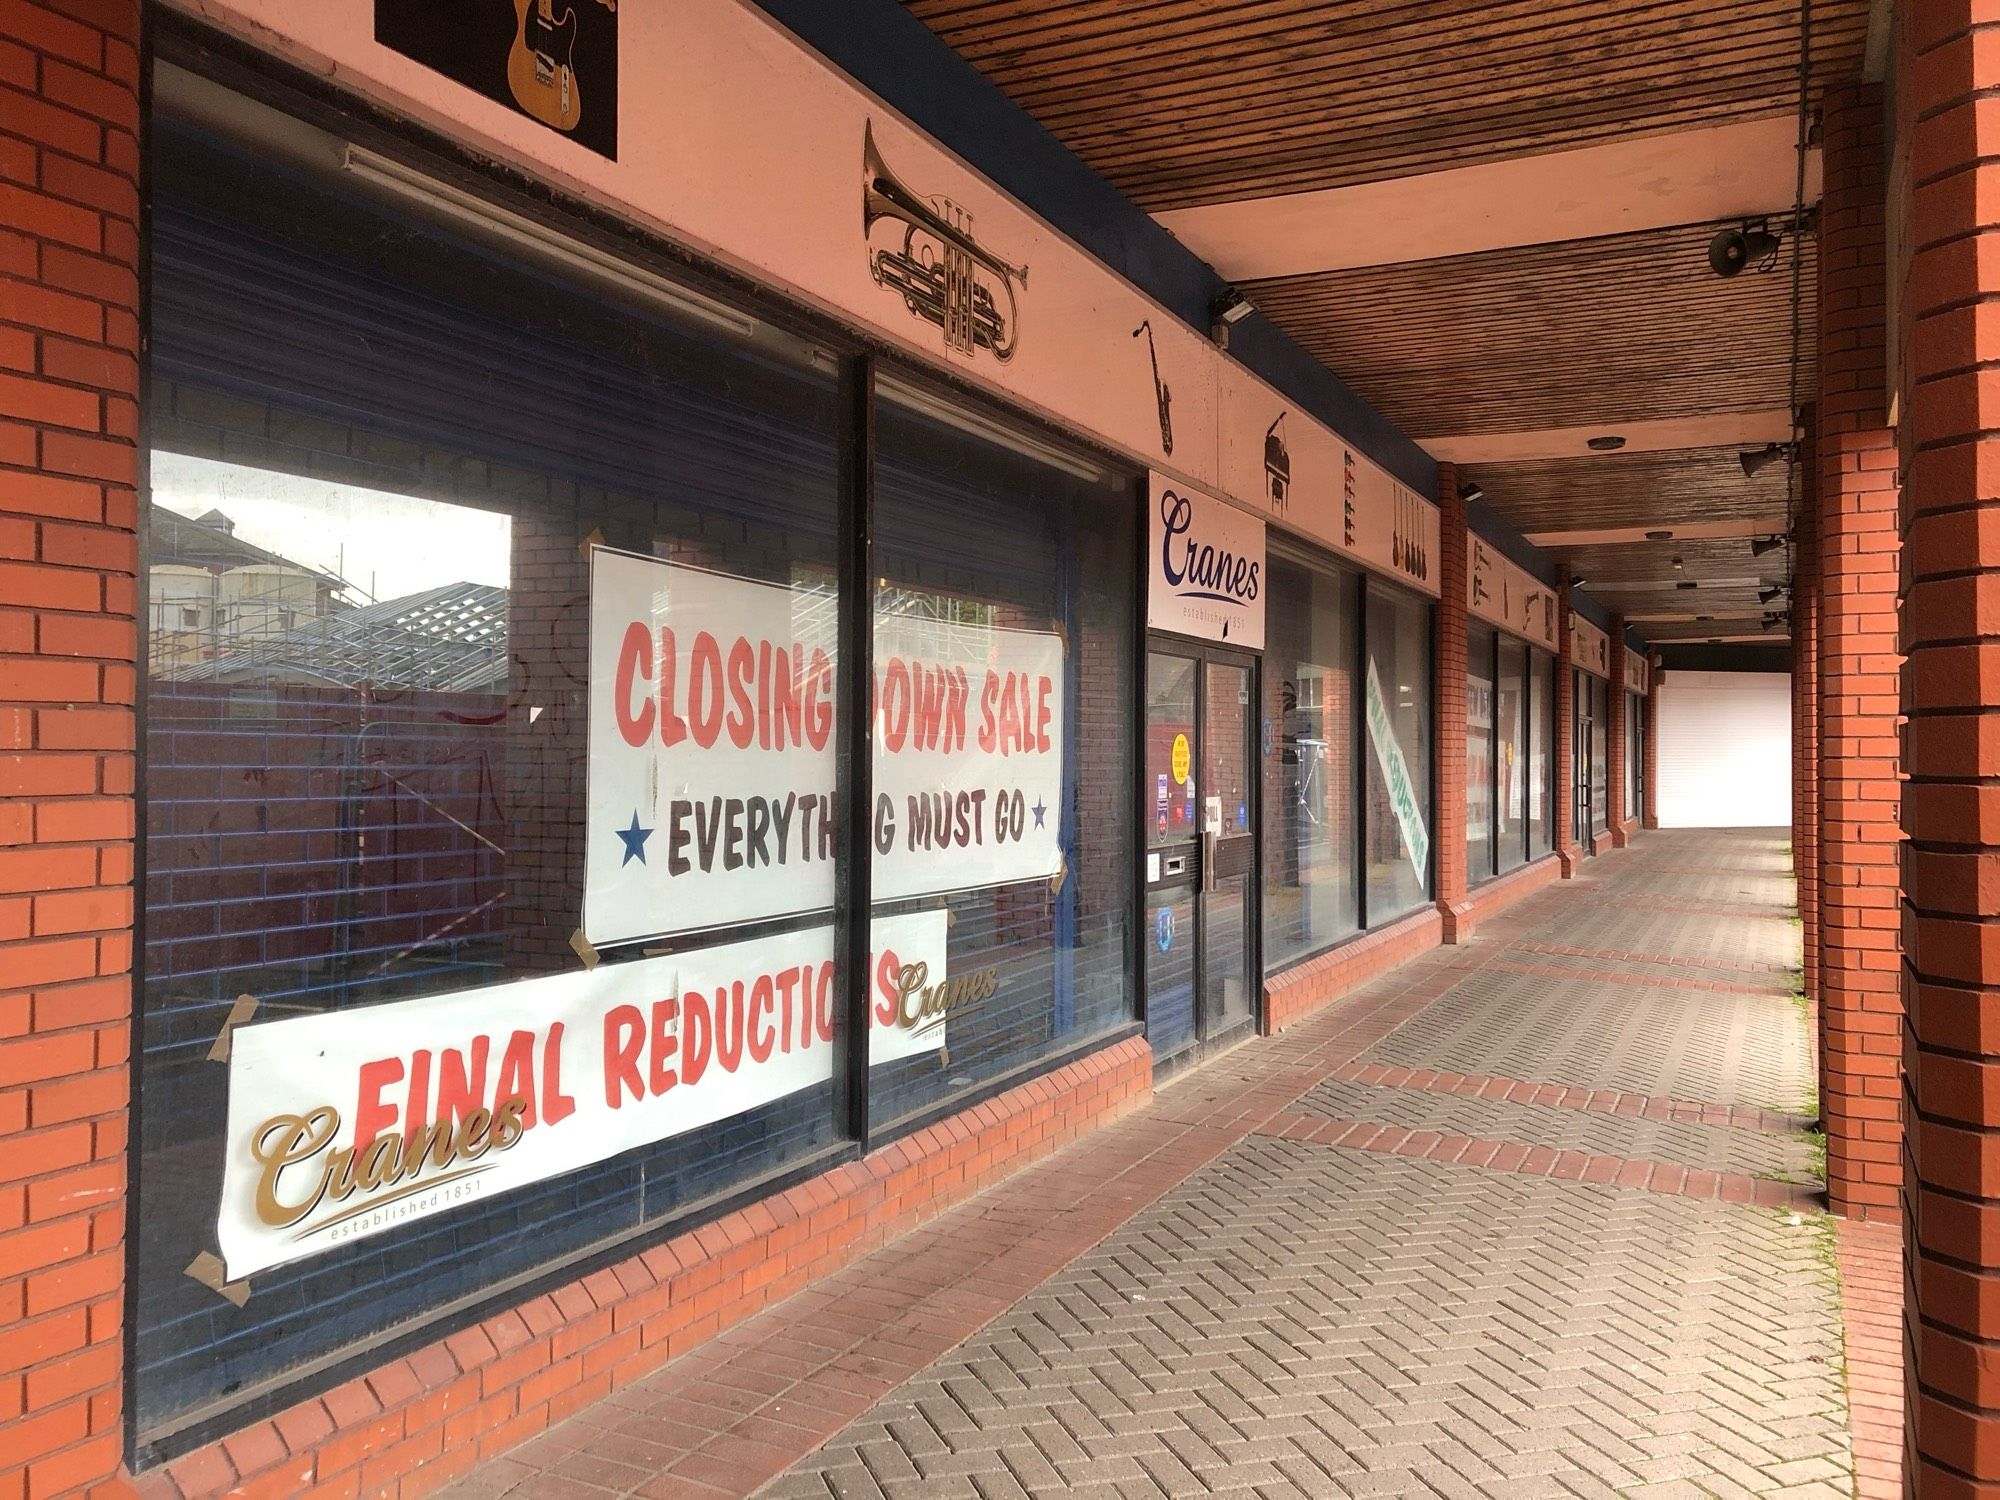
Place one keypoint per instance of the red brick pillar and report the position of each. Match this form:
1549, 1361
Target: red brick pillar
1649, 811
1948, 86
1450, 665
1860, 1000
69, 342
1805, 706
1567, 852
1614, 740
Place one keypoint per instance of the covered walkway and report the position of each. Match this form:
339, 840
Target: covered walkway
1540, 1215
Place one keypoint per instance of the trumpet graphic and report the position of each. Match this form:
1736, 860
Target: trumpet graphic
944, 275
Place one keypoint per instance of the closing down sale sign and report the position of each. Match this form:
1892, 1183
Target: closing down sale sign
345, 1125
712, 754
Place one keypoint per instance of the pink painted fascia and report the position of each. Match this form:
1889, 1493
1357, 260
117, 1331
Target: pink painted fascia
1742, 169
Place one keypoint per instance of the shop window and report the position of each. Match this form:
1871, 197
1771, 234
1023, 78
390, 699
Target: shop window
1600, 760
372, 803
1396, 719
1635, 734
1003, 746
1541, 753
1510, 758
1310, 898
1479, 746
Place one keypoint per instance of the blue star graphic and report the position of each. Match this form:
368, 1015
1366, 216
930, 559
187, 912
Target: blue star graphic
635, 841
1040, 810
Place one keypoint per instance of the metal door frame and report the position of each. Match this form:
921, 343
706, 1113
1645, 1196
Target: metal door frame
1202, 653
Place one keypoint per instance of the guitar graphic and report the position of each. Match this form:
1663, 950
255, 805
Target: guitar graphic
541, 68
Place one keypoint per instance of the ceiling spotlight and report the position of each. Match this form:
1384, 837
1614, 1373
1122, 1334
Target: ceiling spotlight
1678, 566
1659, 536
1764, 544
1609, 443
1756, 462
1733, 251
1703, 619
1471, 492
1765, 596
1685, 583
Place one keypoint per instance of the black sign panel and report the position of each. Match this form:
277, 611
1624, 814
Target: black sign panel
553, 60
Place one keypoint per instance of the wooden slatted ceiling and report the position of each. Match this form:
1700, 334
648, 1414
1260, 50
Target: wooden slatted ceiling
1624, 328
1185, 102
1644, 490
1641, 579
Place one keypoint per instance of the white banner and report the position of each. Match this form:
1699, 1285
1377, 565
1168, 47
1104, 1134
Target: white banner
344, 1125
712, 756
1396, 778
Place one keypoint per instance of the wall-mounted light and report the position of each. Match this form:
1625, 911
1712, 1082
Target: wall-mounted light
1766, 596
1228, 308
1754, 242
1472, 492
1766, 544
1756, 462
1577, 581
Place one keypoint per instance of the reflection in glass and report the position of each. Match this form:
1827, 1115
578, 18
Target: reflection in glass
1479, 707
1541, 754
1309, 899
1397, 732
1510, 820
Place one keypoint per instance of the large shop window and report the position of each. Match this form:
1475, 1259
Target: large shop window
1600, 762
1635, 736
1002, 743
492, 765
1510, 760
1396, 726
1479, 762
1541, 754
1310, 897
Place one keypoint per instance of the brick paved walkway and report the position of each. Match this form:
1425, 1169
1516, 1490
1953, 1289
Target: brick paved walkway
1537, 1216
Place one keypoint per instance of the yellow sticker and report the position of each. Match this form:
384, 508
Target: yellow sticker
1183, 759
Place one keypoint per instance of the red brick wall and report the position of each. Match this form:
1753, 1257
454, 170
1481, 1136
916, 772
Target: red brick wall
1860, 1004
1566, 846
1449, 663
1805, 707
1949, 71
417, 1423
1310, 987
69, 338
1614, 739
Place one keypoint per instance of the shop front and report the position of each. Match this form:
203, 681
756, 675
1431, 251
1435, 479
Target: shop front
1510, 709
631, 732
1590, 734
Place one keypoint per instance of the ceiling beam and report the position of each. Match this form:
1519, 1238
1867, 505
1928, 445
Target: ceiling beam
1745, 429
1739, 170
1682, 532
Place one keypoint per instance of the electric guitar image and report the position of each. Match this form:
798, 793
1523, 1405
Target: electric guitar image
541, 69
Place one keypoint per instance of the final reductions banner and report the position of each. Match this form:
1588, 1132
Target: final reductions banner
346, 1125
712, 756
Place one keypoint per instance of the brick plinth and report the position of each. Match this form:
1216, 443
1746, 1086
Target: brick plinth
1495, 896
416, 1424
69, 346
1450, 657
1860, 1004
1614, 741
1299, 992
1567, 850
1805, 707
1948, 87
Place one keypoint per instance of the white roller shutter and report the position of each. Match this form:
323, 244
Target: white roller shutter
1725, 750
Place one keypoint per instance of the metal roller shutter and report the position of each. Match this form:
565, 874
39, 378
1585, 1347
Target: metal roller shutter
1725, 750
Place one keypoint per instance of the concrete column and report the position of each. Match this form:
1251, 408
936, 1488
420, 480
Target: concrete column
1567, 852
1449, 657
1805, 706
1860, 1000
1948, 88
69, 563
1614, 740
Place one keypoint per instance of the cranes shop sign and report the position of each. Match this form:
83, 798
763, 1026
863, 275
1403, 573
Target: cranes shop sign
1206, 566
